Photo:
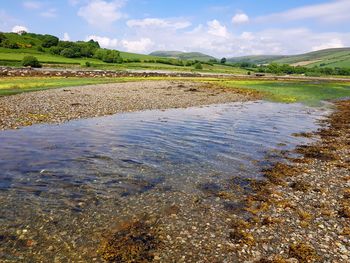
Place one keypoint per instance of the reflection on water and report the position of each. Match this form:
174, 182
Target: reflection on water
73, 171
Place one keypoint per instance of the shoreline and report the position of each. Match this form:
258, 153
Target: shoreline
308, 198
70, 103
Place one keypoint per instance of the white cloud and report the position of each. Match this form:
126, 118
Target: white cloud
331, 12
247, 36
138, 46
32, 5
17, 29
102, 14
216, 29
157, 22
105, 42
333, 43
50, 13
66, 37
240, 18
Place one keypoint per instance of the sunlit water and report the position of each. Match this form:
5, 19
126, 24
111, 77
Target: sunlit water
72, 169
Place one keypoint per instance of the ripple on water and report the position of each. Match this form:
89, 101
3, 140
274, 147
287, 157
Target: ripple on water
73, 169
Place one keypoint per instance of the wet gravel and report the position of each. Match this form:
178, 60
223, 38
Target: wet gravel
64, 104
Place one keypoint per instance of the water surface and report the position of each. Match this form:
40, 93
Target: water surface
60, 183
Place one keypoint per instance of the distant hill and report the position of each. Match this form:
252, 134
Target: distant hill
257, 59
335, 57
182, 55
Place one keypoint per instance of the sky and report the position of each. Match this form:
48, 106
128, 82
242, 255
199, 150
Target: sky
221, 28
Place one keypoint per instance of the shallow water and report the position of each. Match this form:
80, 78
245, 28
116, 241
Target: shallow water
60, 182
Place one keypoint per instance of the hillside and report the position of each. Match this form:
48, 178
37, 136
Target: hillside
257, 59
183, 55
336, 57
32, 44
52, 52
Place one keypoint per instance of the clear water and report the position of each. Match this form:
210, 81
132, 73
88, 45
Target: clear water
73, 171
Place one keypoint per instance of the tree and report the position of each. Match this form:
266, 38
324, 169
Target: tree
111, 56
55, 50
49, 41
223, 60
93, 43
68, 53
31, 61
108, 56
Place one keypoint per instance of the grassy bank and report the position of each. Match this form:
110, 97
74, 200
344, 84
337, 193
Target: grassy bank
308, 92
11, 86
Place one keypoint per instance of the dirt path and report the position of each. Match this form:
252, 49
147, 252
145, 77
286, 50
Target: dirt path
60, 105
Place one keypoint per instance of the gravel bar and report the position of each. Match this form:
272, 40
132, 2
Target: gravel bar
64, 104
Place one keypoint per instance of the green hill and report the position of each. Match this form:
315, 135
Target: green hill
257, 59
13, 47
183, 55
335, 57
52, 52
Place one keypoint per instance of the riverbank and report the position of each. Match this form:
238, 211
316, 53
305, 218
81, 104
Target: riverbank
64, 104
301, 212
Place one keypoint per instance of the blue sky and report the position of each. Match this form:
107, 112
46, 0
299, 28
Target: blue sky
216, 27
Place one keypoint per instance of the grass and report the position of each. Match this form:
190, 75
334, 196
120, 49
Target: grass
11, 86
307, 92
5, 55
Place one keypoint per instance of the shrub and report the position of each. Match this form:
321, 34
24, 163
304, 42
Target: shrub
87, 64
119, 60
8, 44
2, 37
55, 50
198, 65
223, 60
31, 61
40, 49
